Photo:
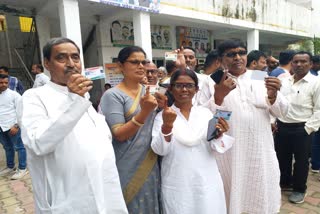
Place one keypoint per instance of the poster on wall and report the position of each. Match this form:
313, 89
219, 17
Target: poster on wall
113, 75
199, 39
143, 5
95, 73
122, 33
161, 37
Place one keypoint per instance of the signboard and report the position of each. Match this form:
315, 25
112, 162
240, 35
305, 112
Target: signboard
143, 5
199, 39
161, 37
95, 73
113, 75
122, 33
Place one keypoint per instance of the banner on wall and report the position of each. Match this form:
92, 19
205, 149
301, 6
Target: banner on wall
143, 5
122, 33
161, 37
113, 75
199, 39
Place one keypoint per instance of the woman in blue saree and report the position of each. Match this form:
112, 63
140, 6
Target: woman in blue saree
129, 110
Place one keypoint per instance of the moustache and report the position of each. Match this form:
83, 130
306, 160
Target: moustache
71, 70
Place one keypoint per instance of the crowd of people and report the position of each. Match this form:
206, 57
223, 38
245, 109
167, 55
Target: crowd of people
147, 151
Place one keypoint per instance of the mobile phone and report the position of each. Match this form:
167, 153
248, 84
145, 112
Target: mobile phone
212, 131
164, 85
217, 75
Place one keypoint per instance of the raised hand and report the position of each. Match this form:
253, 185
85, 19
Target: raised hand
223, 88
181, 61
273, 84
148, 102
168, 115
79, 84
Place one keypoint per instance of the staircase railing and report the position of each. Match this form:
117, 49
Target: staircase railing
27, 71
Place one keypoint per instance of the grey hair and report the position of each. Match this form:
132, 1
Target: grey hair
47, 48
163, 69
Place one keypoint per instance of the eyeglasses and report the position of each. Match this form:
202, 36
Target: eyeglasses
152, 71
63, 58
137, 62
233, 54
180, 86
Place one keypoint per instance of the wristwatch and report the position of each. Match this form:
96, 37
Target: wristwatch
16, 125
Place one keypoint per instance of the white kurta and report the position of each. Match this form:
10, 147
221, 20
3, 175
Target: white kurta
190, 179
70, 155
250, 169
41, 79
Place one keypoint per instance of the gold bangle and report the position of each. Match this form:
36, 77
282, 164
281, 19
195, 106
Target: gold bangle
136, 122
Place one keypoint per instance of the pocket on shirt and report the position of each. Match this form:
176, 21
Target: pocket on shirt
258, 94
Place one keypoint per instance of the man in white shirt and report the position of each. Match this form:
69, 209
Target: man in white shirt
10, 135
70, 155
293, 137
250, 169
41, 78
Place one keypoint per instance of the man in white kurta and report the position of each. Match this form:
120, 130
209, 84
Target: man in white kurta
70, 155
41, 79
250, 170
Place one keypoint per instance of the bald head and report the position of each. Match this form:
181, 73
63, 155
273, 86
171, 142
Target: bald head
152, 73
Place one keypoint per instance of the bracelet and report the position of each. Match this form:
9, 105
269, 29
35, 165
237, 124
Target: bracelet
166, 135
136, 122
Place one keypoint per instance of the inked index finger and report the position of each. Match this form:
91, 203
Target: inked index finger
148, 91
165, 106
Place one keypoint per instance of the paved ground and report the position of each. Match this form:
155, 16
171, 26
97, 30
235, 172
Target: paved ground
16, 197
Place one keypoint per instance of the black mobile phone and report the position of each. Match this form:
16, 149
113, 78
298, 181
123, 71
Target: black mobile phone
212, 131
217, 75
164, 85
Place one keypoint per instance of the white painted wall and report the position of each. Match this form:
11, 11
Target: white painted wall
270, 15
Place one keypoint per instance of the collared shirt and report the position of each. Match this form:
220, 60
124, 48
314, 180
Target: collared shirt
8, 104
41, 79
16, 85
304, 99
280, 73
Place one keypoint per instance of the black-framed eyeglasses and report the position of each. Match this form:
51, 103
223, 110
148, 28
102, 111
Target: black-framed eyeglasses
152, 71
137, 62
180, 86
233, 54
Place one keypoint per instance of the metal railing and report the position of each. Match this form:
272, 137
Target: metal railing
29, 75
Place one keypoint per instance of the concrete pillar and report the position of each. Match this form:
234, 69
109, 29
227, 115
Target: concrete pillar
70, 22
142, 31
253, 40
43, 29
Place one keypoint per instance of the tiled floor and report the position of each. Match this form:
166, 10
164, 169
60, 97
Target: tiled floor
16, 197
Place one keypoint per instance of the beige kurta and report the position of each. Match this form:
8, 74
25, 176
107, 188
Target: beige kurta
250, 169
